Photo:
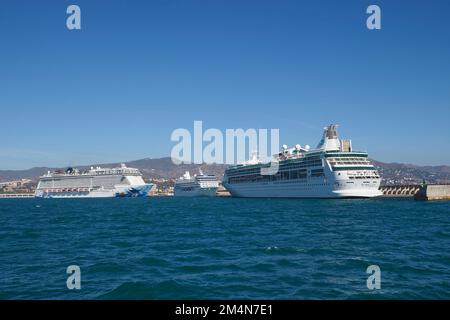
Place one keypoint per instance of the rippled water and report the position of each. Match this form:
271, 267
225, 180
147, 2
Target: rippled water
224, 248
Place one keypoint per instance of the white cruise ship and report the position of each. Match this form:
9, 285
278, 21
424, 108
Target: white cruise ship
199, 185
331, 170
94, 183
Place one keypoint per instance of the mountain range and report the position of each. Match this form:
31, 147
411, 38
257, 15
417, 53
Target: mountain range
164, 168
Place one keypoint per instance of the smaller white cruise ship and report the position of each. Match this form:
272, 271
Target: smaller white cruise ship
199, 185
94, 183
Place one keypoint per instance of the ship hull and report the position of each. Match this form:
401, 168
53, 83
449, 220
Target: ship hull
302, 190
197, 192
119, 191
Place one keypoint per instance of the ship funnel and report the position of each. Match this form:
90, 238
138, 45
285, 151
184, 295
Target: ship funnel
330, 139
187, 175
331, 131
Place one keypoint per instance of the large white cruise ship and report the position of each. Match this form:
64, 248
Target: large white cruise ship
199, 185
94, 183
331, 170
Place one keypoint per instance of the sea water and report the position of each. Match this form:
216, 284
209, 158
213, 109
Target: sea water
224, 248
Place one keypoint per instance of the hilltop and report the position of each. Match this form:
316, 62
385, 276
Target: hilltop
164, 168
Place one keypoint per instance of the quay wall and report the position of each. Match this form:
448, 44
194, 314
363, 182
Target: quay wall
399, 190
17, 195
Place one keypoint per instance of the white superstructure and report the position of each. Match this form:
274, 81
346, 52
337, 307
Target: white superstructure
331, 170
199, 185
94, 183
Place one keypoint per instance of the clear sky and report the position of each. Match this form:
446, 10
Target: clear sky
115, 90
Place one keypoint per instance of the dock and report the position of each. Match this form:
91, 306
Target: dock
16, 195
222, 192
400, 190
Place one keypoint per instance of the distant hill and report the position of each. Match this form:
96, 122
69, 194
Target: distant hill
164, 168
150, 168
401, 173
33, 174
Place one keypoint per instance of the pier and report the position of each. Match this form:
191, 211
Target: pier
400, 190
419, 192
16, 195
222, 192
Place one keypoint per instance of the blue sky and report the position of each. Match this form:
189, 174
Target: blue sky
115, 90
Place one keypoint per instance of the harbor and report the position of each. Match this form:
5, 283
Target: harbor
215, 158
416, 192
